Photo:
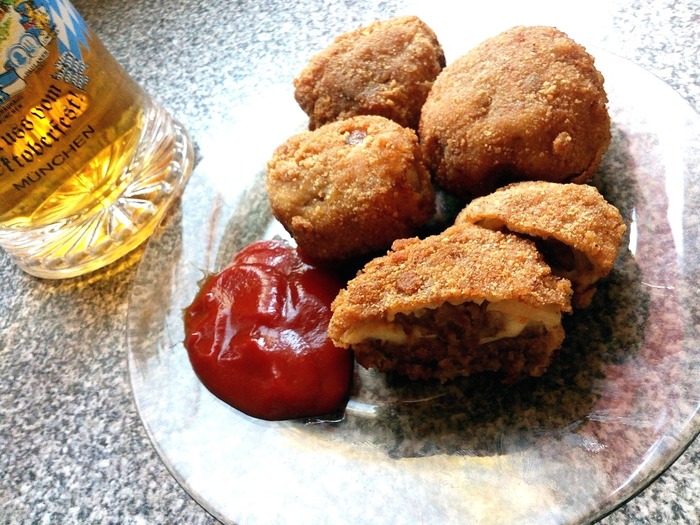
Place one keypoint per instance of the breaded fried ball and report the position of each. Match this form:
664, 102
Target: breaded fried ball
385, 68
351, 187
464, 301
528, 104
576, 229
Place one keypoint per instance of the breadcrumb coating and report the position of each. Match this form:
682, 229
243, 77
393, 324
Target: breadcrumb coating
576, 215
386, 68
462, 264
350, 188
527, 104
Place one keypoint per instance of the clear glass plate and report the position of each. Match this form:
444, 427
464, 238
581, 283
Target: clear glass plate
619, 405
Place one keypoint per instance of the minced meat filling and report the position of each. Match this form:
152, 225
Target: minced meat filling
443, 343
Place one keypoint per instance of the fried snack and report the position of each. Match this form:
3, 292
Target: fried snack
350, 188
527, 104
467, 300
576, 229
386, 68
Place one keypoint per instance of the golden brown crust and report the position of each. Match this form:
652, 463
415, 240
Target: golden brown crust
463, 263
527, 104
576, 215
351, 187
386, 68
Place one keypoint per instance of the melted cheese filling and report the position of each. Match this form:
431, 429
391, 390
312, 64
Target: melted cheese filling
383, 331
511, 318
515, 316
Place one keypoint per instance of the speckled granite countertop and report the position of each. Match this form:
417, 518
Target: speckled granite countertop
73, 447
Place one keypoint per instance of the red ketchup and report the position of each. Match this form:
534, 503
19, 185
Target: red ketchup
256, 335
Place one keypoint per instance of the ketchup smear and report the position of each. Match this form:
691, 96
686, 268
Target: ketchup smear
256, 335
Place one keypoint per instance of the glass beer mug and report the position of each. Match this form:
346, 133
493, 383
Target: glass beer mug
88, 162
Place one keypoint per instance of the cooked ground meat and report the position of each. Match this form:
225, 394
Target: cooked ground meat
443, 343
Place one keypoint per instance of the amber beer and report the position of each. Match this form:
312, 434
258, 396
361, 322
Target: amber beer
88, 163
